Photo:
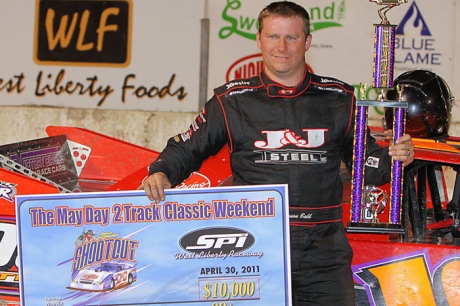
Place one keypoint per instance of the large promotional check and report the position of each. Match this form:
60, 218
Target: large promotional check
216, 247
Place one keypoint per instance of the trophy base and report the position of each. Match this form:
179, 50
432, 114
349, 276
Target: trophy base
384, 228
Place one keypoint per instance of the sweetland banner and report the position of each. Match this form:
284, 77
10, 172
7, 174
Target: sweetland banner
216, 246
343, 40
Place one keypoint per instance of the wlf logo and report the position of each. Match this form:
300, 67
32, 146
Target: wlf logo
88, 32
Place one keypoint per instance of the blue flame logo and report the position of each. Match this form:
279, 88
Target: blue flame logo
418, 21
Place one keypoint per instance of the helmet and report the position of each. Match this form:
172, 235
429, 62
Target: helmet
429, 104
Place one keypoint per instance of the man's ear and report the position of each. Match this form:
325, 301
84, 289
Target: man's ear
308, 42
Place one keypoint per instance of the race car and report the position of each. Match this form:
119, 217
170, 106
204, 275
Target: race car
104, 276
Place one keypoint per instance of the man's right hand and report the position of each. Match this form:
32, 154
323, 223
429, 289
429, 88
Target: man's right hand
155, 186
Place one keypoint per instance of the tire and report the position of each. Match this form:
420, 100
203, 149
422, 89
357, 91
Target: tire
112, 284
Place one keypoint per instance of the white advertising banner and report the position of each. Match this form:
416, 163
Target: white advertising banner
145, 54
119, 54
343, 39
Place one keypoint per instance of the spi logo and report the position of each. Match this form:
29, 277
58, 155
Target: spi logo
217, 239
83, 32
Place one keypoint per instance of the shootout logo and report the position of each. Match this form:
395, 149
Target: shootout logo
83, 32
103, 262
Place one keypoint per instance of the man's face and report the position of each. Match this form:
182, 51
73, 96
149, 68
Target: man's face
283, 44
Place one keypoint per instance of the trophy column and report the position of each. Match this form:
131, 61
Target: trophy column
368, 201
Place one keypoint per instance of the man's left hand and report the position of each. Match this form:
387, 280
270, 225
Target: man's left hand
402, 150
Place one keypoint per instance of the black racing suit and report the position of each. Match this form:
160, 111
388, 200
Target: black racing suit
287, 135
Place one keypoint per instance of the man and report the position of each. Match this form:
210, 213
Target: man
286, 126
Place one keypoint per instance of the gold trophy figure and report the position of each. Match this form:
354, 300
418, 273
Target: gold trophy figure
375, 200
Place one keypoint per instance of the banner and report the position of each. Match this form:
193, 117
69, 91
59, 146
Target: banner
147, 55
216, 246
342, 40
117, 54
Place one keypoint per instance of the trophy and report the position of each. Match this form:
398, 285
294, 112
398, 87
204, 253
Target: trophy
384, 47
389, 2
374, 202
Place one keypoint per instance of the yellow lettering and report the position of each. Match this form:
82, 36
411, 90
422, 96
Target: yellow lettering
81, 35
103, 27
61, 36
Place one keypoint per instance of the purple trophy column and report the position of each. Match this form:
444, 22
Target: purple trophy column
358, 163
384, 44
397, 169
383, 78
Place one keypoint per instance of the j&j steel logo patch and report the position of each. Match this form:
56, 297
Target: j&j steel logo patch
83, 32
